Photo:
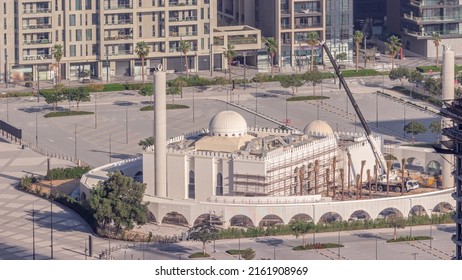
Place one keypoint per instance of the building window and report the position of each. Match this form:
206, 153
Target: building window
219, 190
78, 35
191, 185
72, 51
89, 35
72, 20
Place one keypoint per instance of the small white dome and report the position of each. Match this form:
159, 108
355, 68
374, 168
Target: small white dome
318, 128
228, 124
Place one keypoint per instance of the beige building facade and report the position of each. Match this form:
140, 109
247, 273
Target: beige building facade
99, 37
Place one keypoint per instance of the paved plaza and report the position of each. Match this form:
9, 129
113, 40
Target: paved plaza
119, 125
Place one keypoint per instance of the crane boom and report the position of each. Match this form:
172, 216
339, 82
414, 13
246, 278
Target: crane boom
372, 142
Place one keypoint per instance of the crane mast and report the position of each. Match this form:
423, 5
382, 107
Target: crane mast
372, 143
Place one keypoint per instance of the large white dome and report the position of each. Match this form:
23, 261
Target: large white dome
318, 128
228, 124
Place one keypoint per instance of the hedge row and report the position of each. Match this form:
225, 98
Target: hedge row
419, 96
67, 173
16, 94
253, 232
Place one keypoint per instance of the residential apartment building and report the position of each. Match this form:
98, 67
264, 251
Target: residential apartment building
99, 36
421, 18
289, 22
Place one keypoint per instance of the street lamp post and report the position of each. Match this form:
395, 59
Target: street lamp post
410, 216
314, 221
274, 252
256, 106
51, 220
33, 231
96, 117
239, 248
404, 119
7, 110
107, 67
6, 70
245, 66
75, 142
431, 228
376, 247
365, 54
338, 244
126, 125
38, 84
110, 148
36, 130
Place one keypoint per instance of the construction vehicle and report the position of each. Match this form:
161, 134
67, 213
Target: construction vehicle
394, 184
374, 146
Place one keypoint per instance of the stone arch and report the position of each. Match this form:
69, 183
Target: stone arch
414, 164
151, 217
175, 218
442, 208
271, 220
330, 217
418, 210
208, 217
359, 215
301, 217
433, 168
241, 221
389, 212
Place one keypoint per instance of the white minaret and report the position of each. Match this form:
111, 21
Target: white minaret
160, 137
448, 94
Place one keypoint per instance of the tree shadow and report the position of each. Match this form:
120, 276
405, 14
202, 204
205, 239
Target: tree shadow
124, 103
280, 92
171, 248
270, 241
263, 95
114, 155
63, 221
446, 228
11, 255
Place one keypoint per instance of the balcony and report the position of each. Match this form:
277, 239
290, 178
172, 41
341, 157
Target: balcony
446, 33
453, 110
182, 3
118, 37
185, 34
36, 26
120, 22
119, 7
121, 53
37, 42
429, 3
37, 11
431, 19
178, 19
37, 57
305, 25
241, 40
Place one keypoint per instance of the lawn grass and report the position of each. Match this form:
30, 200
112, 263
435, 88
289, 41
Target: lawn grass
360, 73
302, 98
409, 238
317, 246
234, 252
169, 107
198, 255
66, 114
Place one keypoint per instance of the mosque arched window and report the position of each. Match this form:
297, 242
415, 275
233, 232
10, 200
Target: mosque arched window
192, 185
219, 190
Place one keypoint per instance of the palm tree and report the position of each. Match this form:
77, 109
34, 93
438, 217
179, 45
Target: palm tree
358, 37
58, 54
185, 47
316, 169
393, 46
229, 53
312, 41
142, 50
334, 162
271, 46
436, 39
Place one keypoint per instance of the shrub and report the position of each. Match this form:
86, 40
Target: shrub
16, 94
113, 87
409, 238
66, 114
311, 97
248, 254
199, 255
67, 173
25, 182
360, 73
94, 87
133, 86
426, 69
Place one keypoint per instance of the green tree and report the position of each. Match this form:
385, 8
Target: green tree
312, 40
248, 254
399, 73
414, 76
436, 39
393, 47
435, 127
185, 47
414, 128
260, 78
433, 86
147, 142
358, 37
118, 201
314, 78
54, 96
291, 81
78, 95
203, 232
173, 90
395, 222
142, 50
271, 46
299, 227
229, 53
341, 56
58, 53
147, 90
